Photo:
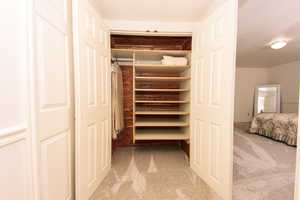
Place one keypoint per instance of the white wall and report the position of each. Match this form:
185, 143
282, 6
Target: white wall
288, 76
246, 81
15, 140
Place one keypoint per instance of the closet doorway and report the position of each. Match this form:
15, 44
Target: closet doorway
156, 91
153, 144
205, 82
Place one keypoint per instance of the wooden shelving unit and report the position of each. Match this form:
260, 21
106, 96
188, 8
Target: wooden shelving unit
145, 78
160, 68
161, 52
161, 134
162, 102
160, 123
163, 111
162, 90
147, 55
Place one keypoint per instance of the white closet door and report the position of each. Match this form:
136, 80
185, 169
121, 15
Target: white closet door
52, 101
214, 50
92, 94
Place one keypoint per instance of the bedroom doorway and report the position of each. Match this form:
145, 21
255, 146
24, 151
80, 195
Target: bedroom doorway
265, 154
265, 133
266, 103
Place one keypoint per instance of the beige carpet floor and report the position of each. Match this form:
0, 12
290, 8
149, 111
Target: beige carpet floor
263, 170
152, 173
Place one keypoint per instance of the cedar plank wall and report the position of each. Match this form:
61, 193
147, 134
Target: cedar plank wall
125, 137
146, 42
151, 42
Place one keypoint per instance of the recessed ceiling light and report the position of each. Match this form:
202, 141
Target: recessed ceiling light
278, 44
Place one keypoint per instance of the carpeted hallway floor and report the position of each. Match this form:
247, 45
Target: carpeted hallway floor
263, 170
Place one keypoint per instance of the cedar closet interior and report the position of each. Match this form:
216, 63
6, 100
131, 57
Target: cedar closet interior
156, 92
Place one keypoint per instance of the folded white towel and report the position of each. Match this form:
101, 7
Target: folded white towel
170, 60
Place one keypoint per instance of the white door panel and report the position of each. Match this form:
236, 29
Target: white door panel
52, 75
14, 166
56, 167
16, 169
214, 48
93, 145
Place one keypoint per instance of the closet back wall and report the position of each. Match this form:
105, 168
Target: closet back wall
125, 138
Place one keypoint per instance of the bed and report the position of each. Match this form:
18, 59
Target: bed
278, 126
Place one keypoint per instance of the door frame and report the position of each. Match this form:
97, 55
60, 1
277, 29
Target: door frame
297, 174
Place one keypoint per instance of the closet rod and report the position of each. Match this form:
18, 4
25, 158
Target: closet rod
122, 59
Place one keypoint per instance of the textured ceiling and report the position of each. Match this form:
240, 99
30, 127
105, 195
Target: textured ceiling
264, 21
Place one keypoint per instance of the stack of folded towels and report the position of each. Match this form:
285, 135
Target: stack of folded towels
171, 60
